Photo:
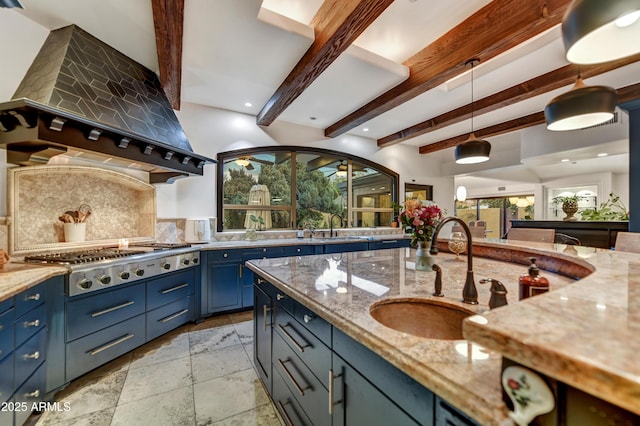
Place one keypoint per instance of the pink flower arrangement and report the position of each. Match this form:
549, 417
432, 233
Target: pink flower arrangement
420, 219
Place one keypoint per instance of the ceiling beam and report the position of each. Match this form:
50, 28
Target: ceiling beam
531, 88
494, 29
337, 24
625, 94
168, 19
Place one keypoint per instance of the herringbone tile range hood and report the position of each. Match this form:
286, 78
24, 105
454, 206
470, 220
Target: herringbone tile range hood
83, 98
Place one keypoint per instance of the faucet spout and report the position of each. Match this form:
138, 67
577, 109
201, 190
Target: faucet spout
331, 224
469, 292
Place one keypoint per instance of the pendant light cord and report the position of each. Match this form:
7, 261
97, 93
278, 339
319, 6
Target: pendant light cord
472, 62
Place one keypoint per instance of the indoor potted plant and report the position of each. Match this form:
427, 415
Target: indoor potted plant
569, 205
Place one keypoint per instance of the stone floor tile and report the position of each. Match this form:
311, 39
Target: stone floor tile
156, 378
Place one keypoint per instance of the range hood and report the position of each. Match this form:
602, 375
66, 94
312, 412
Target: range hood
83, 98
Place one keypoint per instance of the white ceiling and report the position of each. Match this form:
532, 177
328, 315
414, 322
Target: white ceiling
239, 51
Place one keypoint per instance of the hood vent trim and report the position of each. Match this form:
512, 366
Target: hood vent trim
82, 93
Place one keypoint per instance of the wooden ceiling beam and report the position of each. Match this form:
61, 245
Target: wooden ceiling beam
494, 29
337, 24
625, 94
168, 20
531, 88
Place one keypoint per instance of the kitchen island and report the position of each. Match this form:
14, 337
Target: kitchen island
340, 289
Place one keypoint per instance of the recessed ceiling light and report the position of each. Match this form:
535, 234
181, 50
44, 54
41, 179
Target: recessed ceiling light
565, 160
602, 154
366, 129
248, 104
312, 118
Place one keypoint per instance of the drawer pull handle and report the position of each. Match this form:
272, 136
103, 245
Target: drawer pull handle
115, 308
389, 241
291, 378
33, 297
111, 344
1, 327
178, 287
174, 316
331, 403
296, 344
265, 309
287, 419
34, 323
261, 281
34, 355
308, 318
34, 394
280, 296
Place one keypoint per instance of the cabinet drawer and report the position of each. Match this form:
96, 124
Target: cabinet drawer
259, 253
168, 317
224, 256
167, 289
305, 387
5, 305
31, 391
304, 344
6, 332
29, 299
299, 250
6, 378
29, 356
344, 247
286, 404
89, 352
29, 324
313, 323
96, 312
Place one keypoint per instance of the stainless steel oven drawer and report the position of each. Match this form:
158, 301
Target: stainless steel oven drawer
103, 309
89, 352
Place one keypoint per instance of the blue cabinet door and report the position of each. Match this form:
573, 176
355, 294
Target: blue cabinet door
262, 330
357, 402
223, 287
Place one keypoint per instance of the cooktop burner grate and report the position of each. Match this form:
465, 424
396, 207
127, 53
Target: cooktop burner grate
83, 256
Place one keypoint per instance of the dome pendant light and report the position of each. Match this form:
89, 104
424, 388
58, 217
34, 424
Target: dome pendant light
582, 106
472, 150
596, 31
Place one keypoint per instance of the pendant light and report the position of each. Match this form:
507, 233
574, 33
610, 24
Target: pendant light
582, 106
596, 31
473, 150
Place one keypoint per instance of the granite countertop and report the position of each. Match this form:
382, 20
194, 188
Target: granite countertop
18, 277
586, 335
274, 242
342, 287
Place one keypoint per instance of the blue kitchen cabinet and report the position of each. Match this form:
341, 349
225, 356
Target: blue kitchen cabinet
221, 280
246, 274
24, 351
170, 302
345, 247
316, 374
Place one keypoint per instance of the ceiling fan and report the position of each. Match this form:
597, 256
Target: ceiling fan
246, 161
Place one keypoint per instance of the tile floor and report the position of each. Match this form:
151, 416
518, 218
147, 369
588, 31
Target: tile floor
199, 374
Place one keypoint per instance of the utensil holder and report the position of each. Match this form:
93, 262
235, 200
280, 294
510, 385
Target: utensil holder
74, 232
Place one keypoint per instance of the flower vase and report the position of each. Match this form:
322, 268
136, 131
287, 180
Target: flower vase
570, 208
424, 259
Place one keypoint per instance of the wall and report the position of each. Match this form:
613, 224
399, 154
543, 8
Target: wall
212, 130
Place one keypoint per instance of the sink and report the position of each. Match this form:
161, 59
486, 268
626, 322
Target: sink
431, 319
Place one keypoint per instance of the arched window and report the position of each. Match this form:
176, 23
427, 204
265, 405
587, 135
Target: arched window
296, 187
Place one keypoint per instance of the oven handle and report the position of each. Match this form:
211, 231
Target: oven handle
114, 308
